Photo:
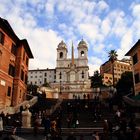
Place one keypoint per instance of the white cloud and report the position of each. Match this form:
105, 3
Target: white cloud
91, 31
106, 26
94, 64
42, 42
131, 31
102, 5
98, 48
49, 8
93, 68
44, 47
125, 44
95, 21
136, 10
95, 59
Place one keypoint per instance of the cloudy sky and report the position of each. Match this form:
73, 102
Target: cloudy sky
103, 24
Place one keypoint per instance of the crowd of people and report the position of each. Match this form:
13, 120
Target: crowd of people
122, 128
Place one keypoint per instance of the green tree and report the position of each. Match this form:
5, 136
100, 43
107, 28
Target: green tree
125, 84
32, 89
113, 57
96, 80
46, 84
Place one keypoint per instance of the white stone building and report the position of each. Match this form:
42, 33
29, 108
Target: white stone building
70, 78
40, 76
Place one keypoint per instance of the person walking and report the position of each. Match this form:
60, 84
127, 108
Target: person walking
47, 124
36, 126
97, 136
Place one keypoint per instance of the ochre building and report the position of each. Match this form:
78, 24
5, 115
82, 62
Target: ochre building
134, 52
14, 60
120, 66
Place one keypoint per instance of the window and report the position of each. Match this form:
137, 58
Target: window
45, 74
11, 70
135, 59
82, 53
24, 55
82, 74
9, 91
20, 94
27, 60
137, 78
26, 79
13, 49
1, 38
22, 75
60, 75
45, 79
61, 54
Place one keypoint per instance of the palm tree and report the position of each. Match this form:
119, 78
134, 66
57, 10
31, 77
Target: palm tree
113, 57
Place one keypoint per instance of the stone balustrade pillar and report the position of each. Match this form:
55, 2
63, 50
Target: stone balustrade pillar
26, 118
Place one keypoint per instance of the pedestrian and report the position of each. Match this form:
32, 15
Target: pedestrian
69, 120
93, 136
1, 126
36, 126
53, 130
77, 123
97, 136
106, 130
3, 117
58, 124
47, 124
118, 115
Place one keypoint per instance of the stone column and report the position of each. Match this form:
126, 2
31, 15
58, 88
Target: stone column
26, 118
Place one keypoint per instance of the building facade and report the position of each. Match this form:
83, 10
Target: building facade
107, 79
120, 66
41, 76
14, 60
70, 77
134, 52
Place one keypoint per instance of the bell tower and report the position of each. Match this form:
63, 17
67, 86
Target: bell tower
82, 50
62, 51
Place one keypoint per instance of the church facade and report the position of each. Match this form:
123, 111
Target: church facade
72, 77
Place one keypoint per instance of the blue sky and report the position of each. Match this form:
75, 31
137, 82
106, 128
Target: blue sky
103, 24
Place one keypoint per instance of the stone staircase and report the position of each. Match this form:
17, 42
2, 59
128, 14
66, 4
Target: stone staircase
85, 116
16, 109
